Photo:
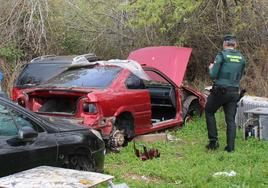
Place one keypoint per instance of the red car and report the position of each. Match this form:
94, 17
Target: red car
121, 98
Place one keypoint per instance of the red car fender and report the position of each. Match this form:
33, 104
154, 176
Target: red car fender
201, 97
122, 109
92, 97
107, 129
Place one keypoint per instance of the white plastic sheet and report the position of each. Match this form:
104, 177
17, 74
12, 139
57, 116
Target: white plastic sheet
131, 65
228, 174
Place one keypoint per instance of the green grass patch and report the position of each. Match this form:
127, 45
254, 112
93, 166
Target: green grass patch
186, 162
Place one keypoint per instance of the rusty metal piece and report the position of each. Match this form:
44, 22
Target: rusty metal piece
147, 153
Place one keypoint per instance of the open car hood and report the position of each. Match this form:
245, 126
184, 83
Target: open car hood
170, 60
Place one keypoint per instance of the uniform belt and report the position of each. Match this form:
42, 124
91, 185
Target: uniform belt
232, 89
227, 89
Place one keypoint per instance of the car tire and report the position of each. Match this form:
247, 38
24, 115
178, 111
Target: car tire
192, 110
81, 162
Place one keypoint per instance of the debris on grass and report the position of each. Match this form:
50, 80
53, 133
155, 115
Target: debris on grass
179, 155
147, 179
121, 185
172, 138
177, 182
228, 174
144, 178
147, 153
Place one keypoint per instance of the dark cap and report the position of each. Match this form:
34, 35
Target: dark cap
229, 37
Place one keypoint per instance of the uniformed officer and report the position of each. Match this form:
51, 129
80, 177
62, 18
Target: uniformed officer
226, 72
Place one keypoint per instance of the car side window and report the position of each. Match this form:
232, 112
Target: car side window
22, 121
156, 79
11, 121
7, 124
134, 82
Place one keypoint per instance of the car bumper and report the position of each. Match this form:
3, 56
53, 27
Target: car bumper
98, 157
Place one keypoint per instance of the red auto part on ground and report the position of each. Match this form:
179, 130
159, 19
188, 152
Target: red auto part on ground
118, 100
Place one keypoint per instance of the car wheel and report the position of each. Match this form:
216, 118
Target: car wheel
122, 133
117, 140
83, 163
192, 111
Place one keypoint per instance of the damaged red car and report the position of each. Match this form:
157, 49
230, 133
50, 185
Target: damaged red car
121, 98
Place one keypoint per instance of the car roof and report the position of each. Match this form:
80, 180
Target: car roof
54, 59
62, 59
131, 65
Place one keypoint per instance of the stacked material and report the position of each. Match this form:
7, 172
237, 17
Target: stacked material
248, 103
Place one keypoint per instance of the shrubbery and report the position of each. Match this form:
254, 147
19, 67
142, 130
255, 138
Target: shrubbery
113, 28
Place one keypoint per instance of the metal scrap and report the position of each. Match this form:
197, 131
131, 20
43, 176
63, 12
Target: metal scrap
147, 153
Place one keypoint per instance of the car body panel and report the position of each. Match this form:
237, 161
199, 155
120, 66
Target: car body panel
170, 60
17, 157
136, 102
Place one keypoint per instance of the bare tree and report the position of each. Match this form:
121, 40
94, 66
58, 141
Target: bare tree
25, 23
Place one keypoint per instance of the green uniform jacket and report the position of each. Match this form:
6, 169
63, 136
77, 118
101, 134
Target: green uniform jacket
228, 69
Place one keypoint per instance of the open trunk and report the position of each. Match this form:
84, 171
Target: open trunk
48, 102
58, 105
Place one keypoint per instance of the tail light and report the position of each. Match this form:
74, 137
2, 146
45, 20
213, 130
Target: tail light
90, 108
14, 93
22, 103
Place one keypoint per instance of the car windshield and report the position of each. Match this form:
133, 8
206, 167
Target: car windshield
90, 77
34, 74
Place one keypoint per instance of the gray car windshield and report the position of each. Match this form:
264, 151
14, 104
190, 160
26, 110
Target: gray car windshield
90, 77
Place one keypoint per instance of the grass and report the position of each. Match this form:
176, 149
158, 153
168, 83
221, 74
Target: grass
186, 163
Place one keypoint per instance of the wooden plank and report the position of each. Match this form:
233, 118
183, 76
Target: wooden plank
150, 138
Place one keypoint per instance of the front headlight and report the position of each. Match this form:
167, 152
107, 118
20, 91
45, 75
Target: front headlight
96, 133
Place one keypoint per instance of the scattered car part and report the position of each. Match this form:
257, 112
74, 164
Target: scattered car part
117, 140
147, 153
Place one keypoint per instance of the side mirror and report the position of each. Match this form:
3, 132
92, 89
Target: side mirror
27, 134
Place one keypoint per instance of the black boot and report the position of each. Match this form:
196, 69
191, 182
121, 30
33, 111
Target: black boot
213, 145
228, 149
